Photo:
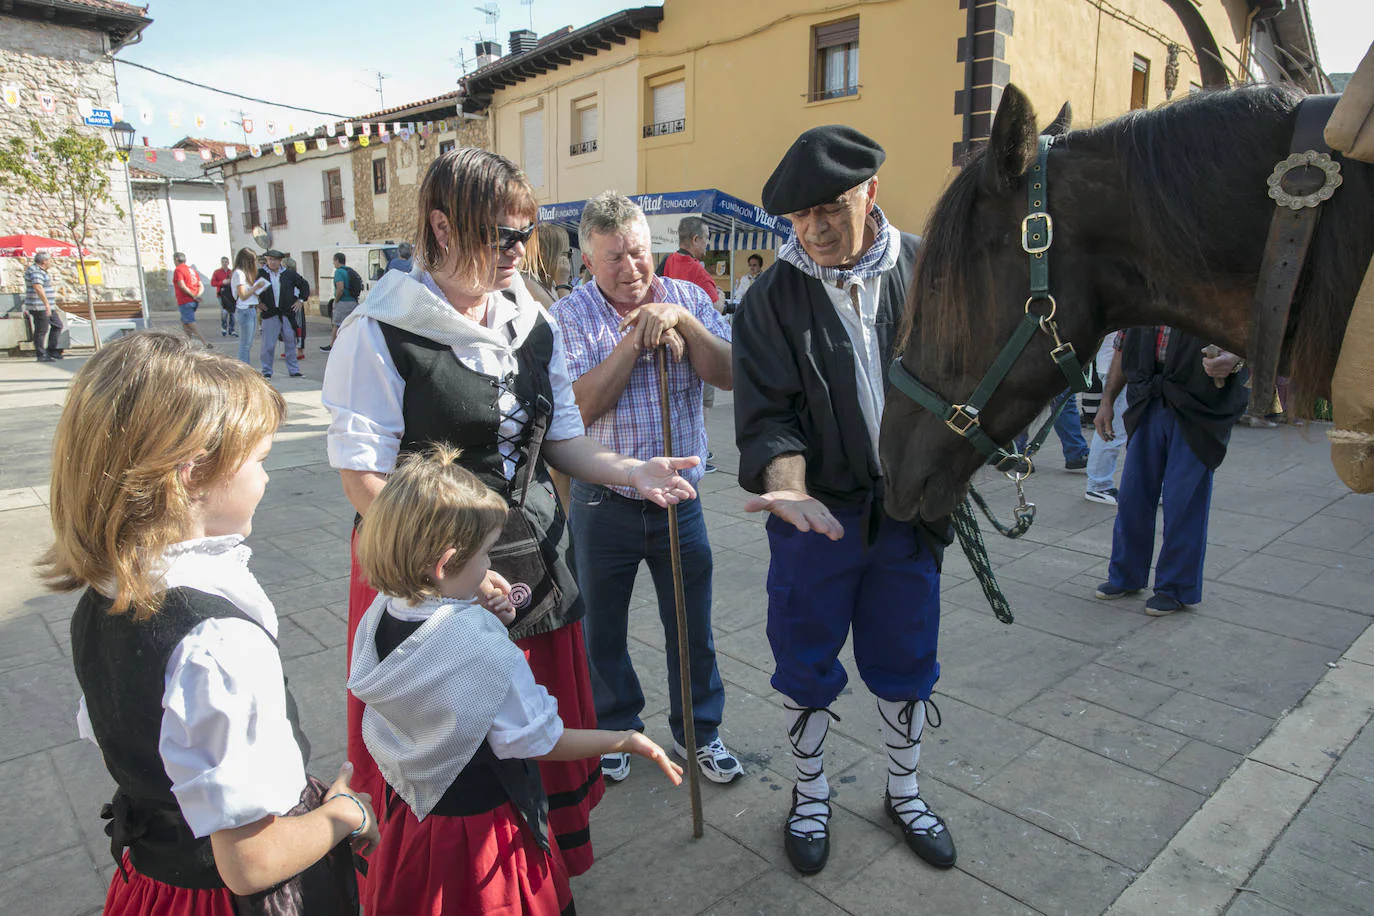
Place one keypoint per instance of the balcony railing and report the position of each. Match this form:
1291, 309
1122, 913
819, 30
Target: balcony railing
665, 127
838, 92
276, 216
586, 146
251, 220
332, 209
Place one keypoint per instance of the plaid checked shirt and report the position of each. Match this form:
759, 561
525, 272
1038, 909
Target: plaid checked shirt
634, 426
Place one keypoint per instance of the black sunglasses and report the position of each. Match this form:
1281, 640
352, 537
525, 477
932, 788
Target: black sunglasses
506, 237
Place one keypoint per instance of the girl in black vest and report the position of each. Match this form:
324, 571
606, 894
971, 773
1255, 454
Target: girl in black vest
457, 352
157, 470
453, 715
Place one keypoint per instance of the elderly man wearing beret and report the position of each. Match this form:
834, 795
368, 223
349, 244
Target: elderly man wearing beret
812, 341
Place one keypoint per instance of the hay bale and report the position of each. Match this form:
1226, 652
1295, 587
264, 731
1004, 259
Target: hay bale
1352, 395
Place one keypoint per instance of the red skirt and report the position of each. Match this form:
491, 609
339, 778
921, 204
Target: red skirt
559, 662
484, 863
144, 896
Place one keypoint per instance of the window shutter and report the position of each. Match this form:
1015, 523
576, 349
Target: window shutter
532, 129
670, 102
587, 124
837, 33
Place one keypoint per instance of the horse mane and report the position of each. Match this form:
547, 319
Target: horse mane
1182, 164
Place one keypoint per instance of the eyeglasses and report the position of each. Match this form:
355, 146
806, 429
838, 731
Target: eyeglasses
506, 237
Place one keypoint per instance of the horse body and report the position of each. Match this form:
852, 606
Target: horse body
1160, 217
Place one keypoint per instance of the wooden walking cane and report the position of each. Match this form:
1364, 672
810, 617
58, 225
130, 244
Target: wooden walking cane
684, 664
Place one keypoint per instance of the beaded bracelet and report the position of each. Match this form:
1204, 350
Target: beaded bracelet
359, 829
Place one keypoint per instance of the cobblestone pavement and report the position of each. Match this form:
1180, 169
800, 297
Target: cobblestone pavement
1091, 757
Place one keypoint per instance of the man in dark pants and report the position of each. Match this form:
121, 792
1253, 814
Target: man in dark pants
1180, 408
277, 308
813, 339
41, 306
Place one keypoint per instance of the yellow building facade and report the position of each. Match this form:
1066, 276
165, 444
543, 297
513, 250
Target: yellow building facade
709, 93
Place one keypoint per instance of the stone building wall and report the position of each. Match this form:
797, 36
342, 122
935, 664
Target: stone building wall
391, 216
68, 63
155, 246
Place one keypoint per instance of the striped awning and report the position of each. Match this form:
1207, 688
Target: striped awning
745, 240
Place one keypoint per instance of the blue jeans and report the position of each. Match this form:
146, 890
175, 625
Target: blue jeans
612, 535
226, 321
1069, 427
1103, 455
248, 326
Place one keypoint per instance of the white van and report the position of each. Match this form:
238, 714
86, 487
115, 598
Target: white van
368, 260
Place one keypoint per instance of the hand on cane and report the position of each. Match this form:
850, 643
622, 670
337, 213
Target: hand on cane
352, 806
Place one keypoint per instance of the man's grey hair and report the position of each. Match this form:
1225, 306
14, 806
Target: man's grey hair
178, 258
608, 213
404, 250
41, 257
689, 228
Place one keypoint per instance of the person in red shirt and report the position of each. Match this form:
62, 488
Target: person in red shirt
685, 264
186, 282
226, 315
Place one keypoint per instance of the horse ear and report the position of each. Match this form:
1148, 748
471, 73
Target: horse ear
1011, 148
1060, 125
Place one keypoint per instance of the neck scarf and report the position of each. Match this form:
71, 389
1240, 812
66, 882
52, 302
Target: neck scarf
881, 256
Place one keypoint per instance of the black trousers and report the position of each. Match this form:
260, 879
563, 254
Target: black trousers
49, 324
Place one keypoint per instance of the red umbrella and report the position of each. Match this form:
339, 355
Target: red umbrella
26, 246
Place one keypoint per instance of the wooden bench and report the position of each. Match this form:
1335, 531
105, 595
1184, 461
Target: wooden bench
119, 308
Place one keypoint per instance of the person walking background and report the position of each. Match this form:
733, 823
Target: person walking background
219, 279
186, 281
40, 305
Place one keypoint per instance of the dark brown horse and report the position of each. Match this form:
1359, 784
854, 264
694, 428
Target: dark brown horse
1160, 217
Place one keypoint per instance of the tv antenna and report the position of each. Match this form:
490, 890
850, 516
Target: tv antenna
529, 4
492, 12
381, 100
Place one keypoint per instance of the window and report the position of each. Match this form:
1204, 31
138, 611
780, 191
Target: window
532, 146
585, 124
276, 196
447, 146
668, 103
1140, 82
835, 60
379, 175
251, 215
207, 224
332, 207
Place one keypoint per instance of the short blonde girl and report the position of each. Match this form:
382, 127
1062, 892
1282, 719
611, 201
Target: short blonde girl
150, 423
430, 503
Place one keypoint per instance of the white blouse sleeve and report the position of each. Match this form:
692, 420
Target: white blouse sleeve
363, 393
567, 419
527, 725
226, 742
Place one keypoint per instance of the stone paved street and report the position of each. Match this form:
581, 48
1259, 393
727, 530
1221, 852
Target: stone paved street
1086, 749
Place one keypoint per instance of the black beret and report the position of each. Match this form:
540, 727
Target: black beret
274, 253
821, 164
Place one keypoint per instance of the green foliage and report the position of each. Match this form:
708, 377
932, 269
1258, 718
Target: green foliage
67, 175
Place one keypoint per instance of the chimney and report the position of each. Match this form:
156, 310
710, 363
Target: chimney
522, 40
487, 52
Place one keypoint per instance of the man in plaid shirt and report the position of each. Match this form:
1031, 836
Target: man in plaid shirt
612, 330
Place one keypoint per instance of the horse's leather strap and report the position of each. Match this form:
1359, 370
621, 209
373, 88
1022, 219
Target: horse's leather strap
1285, 251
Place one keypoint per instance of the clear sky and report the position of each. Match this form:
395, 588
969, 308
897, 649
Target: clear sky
325, 55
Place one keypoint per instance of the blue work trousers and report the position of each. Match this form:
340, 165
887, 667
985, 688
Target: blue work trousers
888, 592
612, 535
1159, 460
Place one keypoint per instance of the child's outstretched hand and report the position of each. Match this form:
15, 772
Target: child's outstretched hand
370, 836
494, 595
635, 743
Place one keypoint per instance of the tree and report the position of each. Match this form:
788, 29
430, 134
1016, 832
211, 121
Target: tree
66, 176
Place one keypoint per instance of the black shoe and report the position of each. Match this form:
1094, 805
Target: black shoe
807, 854
709, 468
266, 374
297, 374
932, 848
43, 358
1076, 464
55, 354
327, 348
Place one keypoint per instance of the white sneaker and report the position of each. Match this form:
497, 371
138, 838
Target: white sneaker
717, 764
615, 767
1106, 497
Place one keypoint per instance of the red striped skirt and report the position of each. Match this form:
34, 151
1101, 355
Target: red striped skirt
483, 863
559, 662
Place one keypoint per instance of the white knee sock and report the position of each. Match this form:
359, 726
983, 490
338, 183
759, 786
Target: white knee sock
903, 723
806, 730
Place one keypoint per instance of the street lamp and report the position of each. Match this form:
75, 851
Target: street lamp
122, 133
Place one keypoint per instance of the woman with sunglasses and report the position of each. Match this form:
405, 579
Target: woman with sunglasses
457, 352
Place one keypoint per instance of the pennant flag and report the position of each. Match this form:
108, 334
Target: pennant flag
230, 151
247, 125
84, 107
381, 130
117, 110
205, 154
271, 127
150, 155
343, 143
348, 129
395, 128
300, 146
386, 138
179, 155
364, 129
11, 93
321, 144
47, 102
200, 121
255, 150
278, 148
425, 128
329, 129
290, 127
443, 126
174, 118
145, 114
363, 141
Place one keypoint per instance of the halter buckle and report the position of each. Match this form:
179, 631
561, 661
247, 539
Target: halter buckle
962, 419
1037, 233
1064, 349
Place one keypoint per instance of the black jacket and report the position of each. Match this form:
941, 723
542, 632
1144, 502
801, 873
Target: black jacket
293, 289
